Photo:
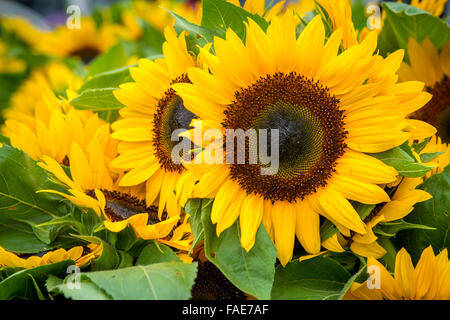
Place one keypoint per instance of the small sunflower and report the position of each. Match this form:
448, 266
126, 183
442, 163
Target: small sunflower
51, 128
428, 280
85, 42
81, 255
151, 114
432, 68
330, 109
93, 185
54, 75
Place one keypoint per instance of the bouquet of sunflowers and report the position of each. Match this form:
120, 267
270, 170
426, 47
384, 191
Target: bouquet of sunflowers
226, 150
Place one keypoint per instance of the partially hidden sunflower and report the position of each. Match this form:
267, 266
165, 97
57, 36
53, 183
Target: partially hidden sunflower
51, 127
330, 109
93, 185
53, 75
428, 280
151, 114
81, 255
426, 64
85, 41
403, 198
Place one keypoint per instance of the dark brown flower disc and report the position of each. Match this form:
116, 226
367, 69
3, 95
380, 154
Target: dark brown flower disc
170, 116
311, 134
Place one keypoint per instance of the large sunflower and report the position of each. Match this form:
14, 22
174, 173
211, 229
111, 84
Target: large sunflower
151, 114
330, 110
428, 280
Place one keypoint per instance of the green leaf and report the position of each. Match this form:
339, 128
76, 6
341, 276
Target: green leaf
114, 58
391, 228
126, 260
427, 157
21, 207
194, 208
403, 161
20, 285
109, 258
348, 284
86, 290
219, 15
432, 213
318, 278
198, 35
327, 230
158, 281
155, 253
97, 100
108, 79
403, 21
252, 272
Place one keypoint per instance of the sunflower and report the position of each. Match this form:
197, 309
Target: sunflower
94, 186
433, 68
85, 42
54, 75
404, 197
81, 255
151, 114
51, 128
330, 109
429, 280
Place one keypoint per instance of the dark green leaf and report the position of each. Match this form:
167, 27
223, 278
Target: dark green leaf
432, 213
318, 278
20, 204
155, 253
252, 272
20, 285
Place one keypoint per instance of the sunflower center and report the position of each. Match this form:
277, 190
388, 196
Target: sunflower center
86, 54
171, 116
310, 134
437, 111
121, 206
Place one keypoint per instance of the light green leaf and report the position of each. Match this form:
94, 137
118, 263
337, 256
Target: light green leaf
155, 253
403, 21
403, 161
158, 281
